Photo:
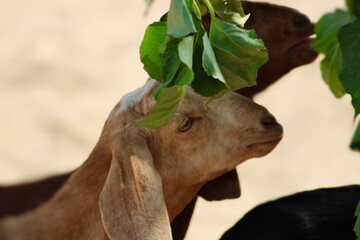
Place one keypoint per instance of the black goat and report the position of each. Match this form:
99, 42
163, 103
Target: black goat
321, 214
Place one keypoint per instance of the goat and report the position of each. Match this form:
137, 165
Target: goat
326, 213
287, 35
136, 181
287, 39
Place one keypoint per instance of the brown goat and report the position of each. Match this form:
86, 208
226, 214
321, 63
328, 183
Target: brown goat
286, 33
136, 181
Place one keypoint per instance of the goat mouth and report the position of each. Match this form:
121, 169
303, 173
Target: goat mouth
266, 142
303, 43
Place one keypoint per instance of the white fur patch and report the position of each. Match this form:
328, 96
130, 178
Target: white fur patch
130, 99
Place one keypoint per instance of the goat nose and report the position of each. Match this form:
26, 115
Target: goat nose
269, 122
301, 20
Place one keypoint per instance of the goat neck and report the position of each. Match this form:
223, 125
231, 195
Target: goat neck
73, 209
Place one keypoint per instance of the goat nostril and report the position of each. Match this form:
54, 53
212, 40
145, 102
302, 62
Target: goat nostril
269, 122
301, 20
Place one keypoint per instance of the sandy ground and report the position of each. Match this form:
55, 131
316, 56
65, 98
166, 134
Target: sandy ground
64, 64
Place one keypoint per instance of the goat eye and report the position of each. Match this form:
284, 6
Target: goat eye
186, 124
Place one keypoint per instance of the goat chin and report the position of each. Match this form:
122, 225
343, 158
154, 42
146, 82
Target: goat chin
136, 181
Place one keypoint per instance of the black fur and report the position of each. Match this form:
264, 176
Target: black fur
322, 214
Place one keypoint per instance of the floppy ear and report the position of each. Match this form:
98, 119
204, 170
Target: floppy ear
131, 203
226, 186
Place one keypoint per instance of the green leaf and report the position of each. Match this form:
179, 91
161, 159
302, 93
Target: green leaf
239, 53
202, 7
228, 7
230, 11
357, 223
184, 76
171, 62
208, 86
204, 84
355, 142
185, 49
355, 101
357, 211
180, 20
155, 35
355, 7
330, 67
349, 5
349, 40
326, 42
209, 61
326, 30
167, 102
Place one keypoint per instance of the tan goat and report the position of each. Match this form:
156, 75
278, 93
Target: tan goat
136, 181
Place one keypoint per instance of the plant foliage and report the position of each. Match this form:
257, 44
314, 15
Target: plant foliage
338, 38
178, 52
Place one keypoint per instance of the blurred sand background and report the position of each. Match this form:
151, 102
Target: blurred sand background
64, 64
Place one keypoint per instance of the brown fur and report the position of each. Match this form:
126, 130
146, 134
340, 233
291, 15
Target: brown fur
136, 181
287, 39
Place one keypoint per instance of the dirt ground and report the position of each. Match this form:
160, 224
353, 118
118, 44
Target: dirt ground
64, 64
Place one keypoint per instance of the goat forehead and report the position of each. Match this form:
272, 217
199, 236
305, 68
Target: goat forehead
227, 100
130, 99
228, 103
192, 102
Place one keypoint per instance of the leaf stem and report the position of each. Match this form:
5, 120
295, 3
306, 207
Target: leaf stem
210, 7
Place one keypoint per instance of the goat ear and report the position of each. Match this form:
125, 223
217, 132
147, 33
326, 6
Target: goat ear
226, 186
131, 203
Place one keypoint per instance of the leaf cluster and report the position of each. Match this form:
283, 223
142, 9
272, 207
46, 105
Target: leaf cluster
338, 38
178, 52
